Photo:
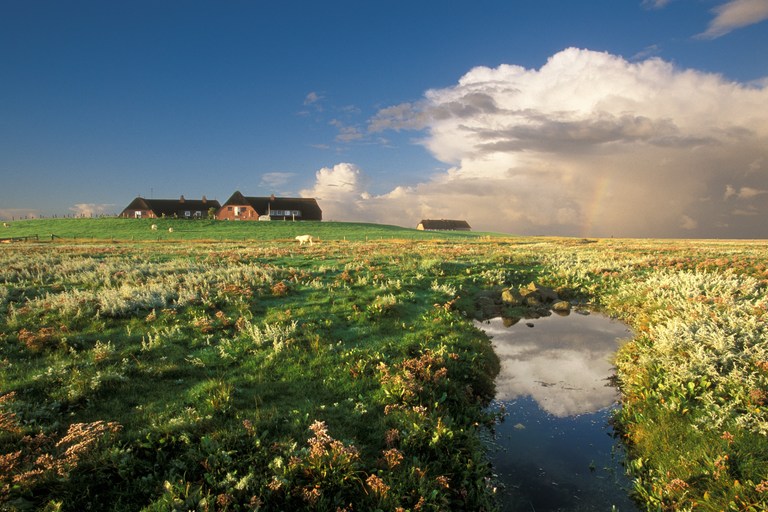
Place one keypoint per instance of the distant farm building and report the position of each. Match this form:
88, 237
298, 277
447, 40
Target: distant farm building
240, 207
443, 225
143, 208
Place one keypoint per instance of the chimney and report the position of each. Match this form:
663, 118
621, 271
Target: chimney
181, 199
205, 200
272, 197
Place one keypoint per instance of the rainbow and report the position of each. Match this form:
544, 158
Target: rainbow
594, 207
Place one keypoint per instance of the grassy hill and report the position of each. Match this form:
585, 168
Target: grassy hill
140, 229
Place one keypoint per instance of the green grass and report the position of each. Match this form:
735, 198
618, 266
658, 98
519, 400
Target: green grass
139, 229
234, 372
215, 359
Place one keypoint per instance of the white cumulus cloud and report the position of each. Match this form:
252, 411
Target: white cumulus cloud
655, 4
276, 179
311, 97
736, 14
590, 144
18, 213
91, 209
743, 192
340, 190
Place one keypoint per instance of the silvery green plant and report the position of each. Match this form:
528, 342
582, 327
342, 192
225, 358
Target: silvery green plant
278, 335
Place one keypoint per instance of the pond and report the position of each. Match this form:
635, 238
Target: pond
555, 450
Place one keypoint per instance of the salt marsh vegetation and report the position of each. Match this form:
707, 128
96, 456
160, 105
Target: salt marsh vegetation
237, 375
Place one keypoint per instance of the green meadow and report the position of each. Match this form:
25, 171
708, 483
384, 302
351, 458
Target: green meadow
110, 228
222, 366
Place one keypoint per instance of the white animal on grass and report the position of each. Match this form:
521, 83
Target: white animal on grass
154, 227
304, 239
5, 224
170, 230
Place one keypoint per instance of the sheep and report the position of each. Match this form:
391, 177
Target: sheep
154, 227
304, 239
170, 230
6, 225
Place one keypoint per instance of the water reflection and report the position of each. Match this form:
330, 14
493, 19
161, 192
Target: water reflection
561, 362
554, 451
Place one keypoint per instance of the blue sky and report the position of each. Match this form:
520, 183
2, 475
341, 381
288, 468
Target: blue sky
546, 117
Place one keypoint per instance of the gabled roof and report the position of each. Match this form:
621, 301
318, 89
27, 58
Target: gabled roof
171, 207
138, 204
307, 205
237, 199
444, 224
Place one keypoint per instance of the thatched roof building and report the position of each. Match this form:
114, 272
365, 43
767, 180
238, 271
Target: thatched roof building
240, 207
181, 208
443, 225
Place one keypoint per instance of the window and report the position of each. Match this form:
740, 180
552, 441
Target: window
187, 214
137, 214
285, 213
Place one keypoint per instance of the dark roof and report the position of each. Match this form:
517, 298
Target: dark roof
308, 206
171, 207
444, 224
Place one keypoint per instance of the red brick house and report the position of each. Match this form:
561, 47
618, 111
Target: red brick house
240, 207
143, 208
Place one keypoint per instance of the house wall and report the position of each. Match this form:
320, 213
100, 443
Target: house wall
245, 213
286, 215
132, 214
193, 214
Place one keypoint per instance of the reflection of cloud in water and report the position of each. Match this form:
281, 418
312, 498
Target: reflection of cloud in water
562, 362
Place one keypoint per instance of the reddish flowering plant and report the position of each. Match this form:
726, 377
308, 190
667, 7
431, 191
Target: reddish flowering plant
416, 380
327, 467
393, 457
41, 456
377, 485
676, 485
37, 341
280, 289
8, 421
392, 436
